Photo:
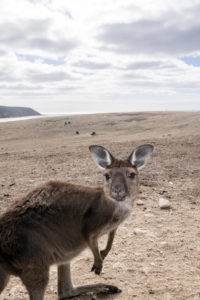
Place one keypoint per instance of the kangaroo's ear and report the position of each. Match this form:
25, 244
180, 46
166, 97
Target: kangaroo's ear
140, 155
102, 156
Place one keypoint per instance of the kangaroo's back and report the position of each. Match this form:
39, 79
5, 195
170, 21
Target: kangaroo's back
42, 220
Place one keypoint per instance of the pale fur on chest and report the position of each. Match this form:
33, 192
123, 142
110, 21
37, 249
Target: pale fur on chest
122, 211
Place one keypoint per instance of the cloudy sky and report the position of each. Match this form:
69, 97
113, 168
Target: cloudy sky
100, 55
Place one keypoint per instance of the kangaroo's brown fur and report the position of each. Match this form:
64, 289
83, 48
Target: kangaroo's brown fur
54, 222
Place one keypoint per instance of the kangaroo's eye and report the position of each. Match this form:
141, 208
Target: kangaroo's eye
107, 176
131, 175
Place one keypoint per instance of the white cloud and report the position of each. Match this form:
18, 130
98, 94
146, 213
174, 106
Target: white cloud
151, 37
103, 51
87, 64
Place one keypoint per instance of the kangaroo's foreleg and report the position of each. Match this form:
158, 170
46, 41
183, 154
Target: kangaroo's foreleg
66, 289
98, 261
111, 236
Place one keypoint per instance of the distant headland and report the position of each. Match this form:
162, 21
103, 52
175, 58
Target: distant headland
15, 112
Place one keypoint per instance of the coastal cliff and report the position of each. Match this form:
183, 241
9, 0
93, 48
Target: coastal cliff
14, 112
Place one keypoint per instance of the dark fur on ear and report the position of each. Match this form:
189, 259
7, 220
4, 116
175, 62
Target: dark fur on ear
140, 155
102, 156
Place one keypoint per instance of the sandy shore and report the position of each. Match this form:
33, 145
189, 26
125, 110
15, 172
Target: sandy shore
160, 261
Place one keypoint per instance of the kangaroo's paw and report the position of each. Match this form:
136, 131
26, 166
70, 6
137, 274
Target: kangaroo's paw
96, 269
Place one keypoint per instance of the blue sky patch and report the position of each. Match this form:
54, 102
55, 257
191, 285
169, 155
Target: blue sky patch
32, 58
191, 60
56, 62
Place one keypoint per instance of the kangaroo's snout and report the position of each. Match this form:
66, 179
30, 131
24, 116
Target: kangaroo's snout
119, 189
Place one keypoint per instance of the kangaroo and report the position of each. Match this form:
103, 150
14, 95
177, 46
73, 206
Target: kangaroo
56, 221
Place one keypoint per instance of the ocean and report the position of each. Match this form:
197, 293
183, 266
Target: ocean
3, 120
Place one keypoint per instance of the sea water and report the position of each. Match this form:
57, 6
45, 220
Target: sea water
3, 120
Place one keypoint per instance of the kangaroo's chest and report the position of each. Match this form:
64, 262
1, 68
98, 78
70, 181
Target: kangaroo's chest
122, 211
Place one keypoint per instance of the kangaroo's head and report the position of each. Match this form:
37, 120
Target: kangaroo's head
121, 176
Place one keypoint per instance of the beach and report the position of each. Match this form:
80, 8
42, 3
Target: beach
156, 252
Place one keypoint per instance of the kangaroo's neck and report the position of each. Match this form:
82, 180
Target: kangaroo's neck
121, 209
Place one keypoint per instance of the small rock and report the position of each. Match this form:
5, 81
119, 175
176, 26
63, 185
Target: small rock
137, 253
145, 271
118, 265
139, 231
163, 243
131, 270
162, 192
164, 203
193, 202
149, 215
151, 292
140, 202
151, 234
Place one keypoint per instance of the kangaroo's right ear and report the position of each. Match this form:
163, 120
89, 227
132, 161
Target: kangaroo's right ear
102, 156
139, 156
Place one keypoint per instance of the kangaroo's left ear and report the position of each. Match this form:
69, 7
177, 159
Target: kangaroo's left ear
102, 156
140, 155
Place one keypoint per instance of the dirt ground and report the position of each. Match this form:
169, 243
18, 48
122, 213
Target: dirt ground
156, 253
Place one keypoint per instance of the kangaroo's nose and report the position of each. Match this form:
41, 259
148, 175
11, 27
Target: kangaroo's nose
117, 189
118, 192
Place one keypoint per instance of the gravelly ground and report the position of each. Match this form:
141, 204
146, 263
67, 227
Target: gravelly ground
156, 253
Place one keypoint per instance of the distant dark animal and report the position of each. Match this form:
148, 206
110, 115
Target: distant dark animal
67, 123
93, 133
77, 132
